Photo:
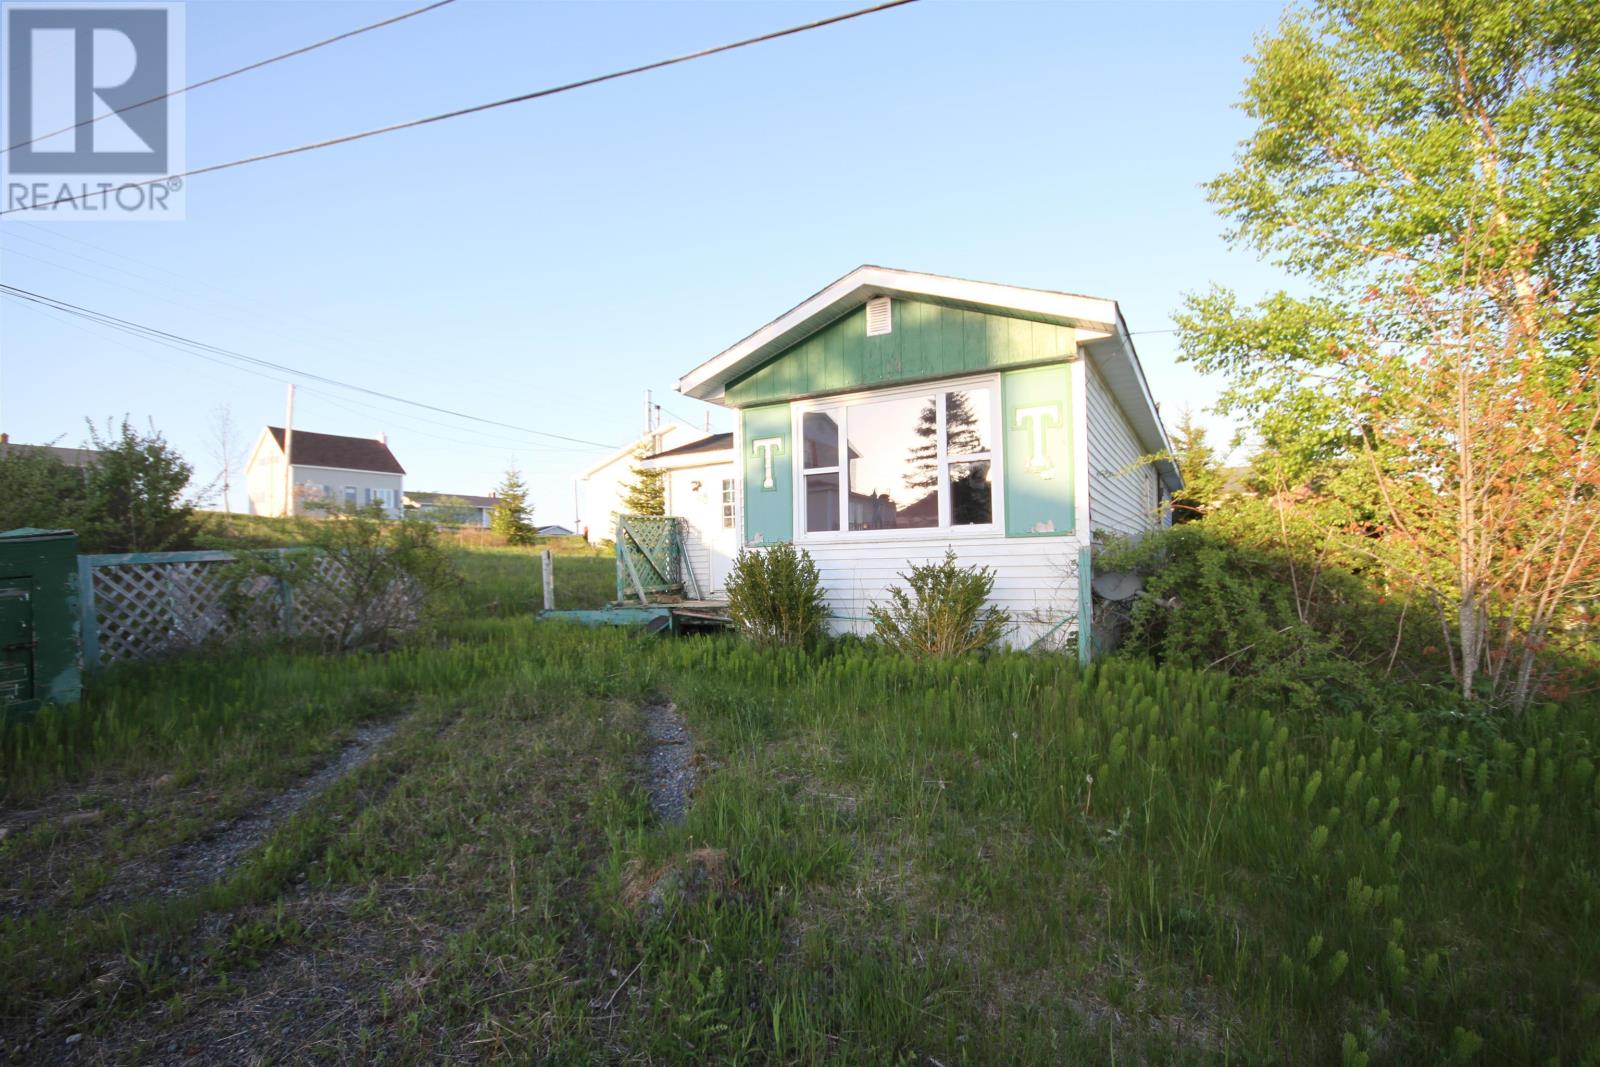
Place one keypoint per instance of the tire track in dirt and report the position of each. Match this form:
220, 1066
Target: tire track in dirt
198, 862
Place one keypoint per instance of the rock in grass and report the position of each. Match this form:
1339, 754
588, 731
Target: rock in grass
81, 818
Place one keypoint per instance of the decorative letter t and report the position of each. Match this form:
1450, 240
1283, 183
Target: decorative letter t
767, 446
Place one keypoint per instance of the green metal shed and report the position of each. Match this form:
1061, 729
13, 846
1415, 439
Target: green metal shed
40, 649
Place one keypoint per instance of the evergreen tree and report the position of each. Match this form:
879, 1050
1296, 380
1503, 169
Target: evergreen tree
1202, 471
512, 518
647, 493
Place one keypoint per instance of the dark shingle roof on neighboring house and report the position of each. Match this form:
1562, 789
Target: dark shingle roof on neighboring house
313, 449
72, 457
717, 442
429, 499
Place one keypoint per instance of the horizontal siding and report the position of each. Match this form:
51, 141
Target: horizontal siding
1120, 501
701, 511
1035, 578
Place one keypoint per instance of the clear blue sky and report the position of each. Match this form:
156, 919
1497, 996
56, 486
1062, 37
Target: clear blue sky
544, 264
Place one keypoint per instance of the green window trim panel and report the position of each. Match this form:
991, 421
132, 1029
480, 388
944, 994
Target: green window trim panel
768, 463
926, 341
1039, 461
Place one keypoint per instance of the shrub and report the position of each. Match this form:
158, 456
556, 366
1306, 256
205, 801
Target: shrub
775, 597
946, 614
1302, 629
365, 581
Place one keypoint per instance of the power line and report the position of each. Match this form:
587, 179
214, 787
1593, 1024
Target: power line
257, 65
200, 348
474, 109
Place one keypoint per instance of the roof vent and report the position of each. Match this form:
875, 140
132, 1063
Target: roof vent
878, 319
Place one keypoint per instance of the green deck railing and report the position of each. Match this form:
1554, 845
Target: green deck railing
650, 558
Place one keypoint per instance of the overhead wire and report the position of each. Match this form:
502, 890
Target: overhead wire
477, 108
257, 65
201, 349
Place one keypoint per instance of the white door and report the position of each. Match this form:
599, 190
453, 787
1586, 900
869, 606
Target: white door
724, 537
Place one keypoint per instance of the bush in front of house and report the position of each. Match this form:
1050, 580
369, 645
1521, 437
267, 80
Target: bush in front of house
775, 597
947, 612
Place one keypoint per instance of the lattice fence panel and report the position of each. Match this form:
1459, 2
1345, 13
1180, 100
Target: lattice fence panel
652, 544
159, 604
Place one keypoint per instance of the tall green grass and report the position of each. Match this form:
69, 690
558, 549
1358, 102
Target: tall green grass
177, 714
977, 860
1409, 886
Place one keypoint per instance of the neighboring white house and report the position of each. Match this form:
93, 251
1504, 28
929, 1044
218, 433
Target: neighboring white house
702, 488
325, 469
895, 415
458, 509
602, 487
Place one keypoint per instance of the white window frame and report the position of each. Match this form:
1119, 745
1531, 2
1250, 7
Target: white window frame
729, 488
839, 407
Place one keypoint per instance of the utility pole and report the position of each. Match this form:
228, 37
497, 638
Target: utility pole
288, 446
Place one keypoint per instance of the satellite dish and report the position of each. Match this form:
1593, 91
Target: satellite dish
1116, 585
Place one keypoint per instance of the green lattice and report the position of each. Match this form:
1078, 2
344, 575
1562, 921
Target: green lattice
649, 556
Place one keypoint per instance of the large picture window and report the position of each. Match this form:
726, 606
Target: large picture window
919, 460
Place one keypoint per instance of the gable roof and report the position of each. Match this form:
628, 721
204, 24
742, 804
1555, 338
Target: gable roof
313, 449
1101, 333
654, 436
717, 442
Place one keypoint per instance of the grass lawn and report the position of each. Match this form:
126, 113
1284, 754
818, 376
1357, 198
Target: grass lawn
999, 861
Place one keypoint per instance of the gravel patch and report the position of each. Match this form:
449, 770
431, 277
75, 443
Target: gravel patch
194, 864
670, 763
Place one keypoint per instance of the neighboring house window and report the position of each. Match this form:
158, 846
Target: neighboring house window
350, 495
911, 461
727, 503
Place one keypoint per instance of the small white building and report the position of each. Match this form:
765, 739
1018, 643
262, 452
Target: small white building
895, 415
603, 486
702, 488
326, 470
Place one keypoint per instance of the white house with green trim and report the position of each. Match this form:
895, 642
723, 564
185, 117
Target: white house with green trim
896, 414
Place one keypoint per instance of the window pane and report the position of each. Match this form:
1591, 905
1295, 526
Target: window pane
966, 422
822, 502
822, 439
894, 464
971, 494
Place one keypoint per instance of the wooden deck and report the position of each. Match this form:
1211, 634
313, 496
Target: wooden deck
674, 615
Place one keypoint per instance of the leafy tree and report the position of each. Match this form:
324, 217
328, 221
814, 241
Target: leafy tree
37, 489
647, 493
1432, 172
134, 494
512, 518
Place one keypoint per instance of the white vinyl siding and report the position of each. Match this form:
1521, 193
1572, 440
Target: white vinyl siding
1120, 500
695, 494
1035, 578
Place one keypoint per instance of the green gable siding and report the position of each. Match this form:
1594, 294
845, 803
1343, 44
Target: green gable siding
927, 341
768, 509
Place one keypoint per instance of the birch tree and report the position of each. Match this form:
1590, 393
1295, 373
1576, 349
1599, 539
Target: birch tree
1431, 170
